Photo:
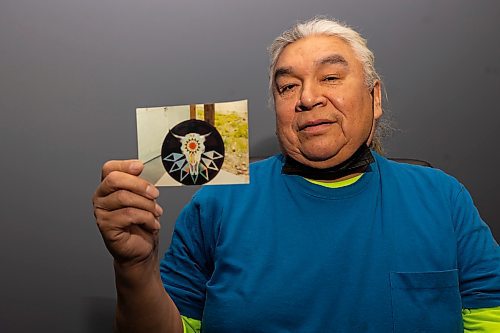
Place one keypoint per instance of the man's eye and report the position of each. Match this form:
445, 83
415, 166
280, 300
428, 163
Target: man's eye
287, 87
330, 78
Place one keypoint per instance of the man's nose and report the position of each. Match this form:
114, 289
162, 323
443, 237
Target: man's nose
310, 98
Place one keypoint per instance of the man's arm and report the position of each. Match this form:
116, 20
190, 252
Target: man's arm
128, 218
479, 266
478, 256
143, 305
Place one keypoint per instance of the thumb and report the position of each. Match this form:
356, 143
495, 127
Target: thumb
133, 167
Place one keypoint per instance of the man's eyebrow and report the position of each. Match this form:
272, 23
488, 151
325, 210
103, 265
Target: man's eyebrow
329, 60
333, 60
282, 71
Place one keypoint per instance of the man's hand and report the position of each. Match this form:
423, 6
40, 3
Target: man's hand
126, 212
127, 215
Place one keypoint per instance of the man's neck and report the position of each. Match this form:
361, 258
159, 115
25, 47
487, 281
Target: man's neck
356, 164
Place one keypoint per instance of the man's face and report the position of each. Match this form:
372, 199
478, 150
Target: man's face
324, 110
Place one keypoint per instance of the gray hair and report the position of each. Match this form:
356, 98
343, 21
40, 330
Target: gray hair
330, 27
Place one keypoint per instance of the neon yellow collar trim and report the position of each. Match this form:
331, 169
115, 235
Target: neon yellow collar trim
338, 184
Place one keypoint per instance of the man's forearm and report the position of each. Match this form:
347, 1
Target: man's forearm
143, 305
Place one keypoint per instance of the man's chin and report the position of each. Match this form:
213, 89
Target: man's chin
319, 161
319, 158
322, 159
317, 155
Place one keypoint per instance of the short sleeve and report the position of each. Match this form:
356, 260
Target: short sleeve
187, 265
478, 256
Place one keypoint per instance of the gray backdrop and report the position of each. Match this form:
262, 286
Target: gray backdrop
73, 72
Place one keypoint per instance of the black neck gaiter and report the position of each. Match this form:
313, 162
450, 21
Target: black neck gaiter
356, 163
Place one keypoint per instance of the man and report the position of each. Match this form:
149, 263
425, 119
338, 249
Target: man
328, 237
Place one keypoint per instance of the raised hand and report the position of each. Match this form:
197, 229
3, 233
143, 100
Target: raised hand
126, 212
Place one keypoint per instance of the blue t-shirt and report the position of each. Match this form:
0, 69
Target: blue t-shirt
401, 250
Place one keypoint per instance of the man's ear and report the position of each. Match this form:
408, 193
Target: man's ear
377, 99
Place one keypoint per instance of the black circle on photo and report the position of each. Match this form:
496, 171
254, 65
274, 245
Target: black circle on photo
193, 152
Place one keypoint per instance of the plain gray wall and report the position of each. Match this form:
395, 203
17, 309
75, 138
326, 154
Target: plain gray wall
73, 72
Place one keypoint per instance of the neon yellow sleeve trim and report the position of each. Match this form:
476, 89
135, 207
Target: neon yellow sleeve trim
191, 325
486, 320
341, 183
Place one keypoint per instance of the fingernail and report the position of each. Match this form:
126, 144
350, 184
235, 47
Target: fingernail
152, 191
159, 210
157, 223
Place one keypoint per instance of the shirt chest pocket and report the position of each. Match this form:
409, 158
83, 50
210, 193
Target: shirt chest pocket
426, 302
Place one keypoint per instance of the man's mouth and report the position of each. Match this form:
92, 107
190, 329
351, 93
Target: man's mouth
315, 125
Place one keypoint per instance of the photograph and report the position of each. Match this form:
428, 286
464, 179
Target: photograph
194, 144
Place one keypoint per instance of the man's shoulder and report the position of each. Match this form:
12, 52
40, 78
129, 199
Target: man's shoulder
417, 176
268, 164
